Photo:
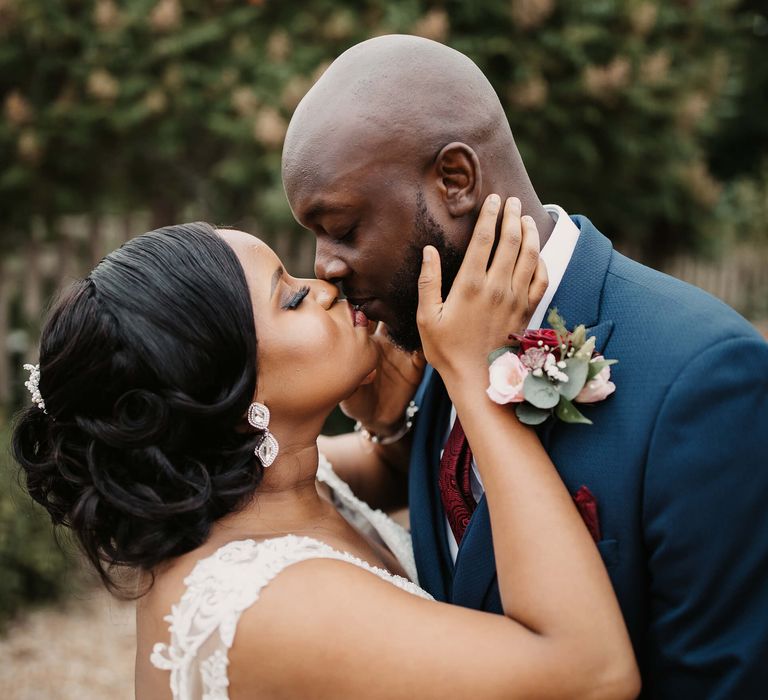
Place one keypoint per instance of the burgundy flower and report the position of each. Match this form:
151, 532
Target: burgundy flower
531, 339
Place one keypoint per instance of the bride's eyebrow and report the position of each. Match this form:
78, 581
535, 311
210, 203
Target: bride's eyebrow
276, 275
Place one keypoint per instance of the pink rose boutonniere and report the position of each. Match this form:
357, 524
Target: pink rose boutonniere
550, 371
508, 375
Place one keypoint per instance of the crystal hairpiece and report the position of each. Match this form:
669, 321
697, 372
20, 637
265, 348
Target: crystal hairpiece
33, 384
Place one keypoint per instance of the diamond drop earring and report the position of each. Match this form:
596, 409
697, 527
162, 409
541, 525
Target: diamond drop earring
258, 417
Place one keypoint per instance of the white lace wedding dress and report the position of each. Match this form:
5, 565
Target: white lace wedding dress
222, 586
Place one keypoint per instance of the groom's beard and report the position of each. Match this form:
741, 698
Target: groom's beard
403, 291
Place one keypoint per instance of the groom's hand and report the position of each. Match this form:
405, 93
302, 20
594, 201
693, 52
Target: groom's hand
380, 405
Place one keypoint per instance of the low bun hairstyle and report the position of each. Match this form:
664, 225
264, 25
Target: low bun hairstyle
147, 367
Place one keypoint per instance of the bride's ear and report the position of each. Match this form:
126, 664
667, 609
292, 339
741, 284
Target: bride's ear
459, 178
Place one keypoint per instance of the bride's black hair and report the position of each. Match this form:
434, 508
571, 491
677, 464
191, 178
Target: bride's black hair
147, 367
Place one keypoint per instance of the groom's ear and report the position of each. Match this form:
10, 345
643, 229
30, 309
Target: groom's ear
458, 178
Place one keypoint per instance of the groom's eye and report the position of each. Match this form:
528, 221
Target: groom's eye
296, 298
345, 237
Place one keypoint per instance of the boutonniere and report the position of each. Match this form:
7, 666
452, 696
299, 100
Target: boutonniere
548, 372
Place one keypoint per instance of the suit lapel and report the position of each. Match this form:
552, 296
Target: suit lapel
602, 332
430, 544
475, 564
578, 301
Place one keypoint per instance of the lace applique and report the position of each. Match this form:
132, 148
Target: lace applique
214, 676
219, 589
394, 535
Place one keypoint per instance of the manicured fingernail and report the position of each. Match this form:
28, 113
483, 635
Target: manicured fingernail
494, 201
514, 205
427, 254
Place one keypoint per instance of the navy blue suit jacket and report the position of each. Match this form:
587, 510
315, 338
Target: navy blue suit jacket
677, 459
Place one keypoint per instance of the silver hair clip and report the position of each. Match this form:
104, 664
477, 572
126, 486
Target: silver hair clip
33, 384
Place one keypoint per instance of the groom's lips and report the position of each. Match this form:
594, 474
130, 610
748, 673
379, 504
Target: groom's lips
361, 303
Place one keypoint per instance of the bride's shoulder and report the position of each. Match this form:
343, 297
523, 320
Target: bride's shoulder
319, 609
218, 582
239, 565
186, 621
213, 572
164, 586
300, 612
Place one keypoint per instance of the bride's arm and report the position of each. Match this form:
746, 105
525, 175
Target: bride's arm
524, 491
328, 629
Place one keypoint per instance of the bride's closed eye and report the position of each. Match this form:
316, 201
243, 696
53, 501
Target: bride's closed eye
296, 298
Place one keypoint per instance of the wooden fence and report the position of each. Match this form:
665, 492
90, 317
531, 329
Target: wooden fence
52, 258
740, 279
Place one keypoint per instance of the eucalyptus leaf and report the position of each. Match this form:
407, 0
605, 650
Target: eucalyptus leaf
577, 370
498, 352
587, 349
530, 415
568, 413
540, 392
597, 366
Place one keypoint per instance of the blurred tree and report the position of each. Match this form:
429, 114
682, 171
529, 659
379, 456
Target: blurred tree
738, 149
182, 107
740, 144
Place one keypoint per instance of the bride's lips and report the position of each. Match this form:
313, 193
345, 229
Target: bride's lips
358, 309
358, 316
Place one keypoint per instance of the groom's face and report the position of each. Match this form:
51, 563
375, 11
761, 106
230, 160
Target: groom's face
371, 221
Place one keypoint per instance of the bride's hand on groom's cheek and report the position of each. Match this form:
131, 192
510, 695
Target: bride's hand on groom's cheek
486, 303
380, 405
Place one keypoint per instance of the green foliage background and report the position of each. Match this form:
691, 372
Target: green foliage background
32, 567
620, 107
646, 115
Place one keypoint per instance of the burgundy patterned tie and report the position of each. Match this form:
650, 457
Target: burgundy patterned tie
455, 488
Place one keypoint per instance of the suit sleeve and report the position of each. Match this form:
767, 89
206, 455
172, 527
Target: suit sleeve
705, 522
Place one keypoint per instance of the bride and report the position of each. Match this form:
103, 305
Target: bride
181, 390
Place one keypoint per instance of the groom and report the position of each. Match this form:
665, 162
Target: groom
396, 147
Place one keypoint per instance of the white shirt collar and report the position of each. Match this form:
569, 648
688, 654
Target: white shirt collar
556, 254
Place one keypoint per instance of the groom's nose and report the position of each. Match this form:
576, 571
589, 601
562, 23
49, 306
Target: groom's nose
329, 267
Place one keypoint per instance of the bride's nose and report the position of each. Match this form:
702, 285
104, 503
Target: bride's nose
326, 293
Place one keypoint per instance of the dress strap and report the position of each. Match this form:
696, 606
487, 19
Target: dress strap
394, 536
219, 589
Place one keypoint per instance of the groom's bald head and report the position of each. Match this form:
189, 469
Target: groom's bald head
395, 147
401, 95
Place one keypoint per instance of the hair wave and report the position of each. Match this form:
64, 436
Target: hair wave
147, 367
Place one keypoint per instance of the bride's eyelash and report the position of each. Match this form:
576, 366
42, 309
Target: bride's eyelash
296, 298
